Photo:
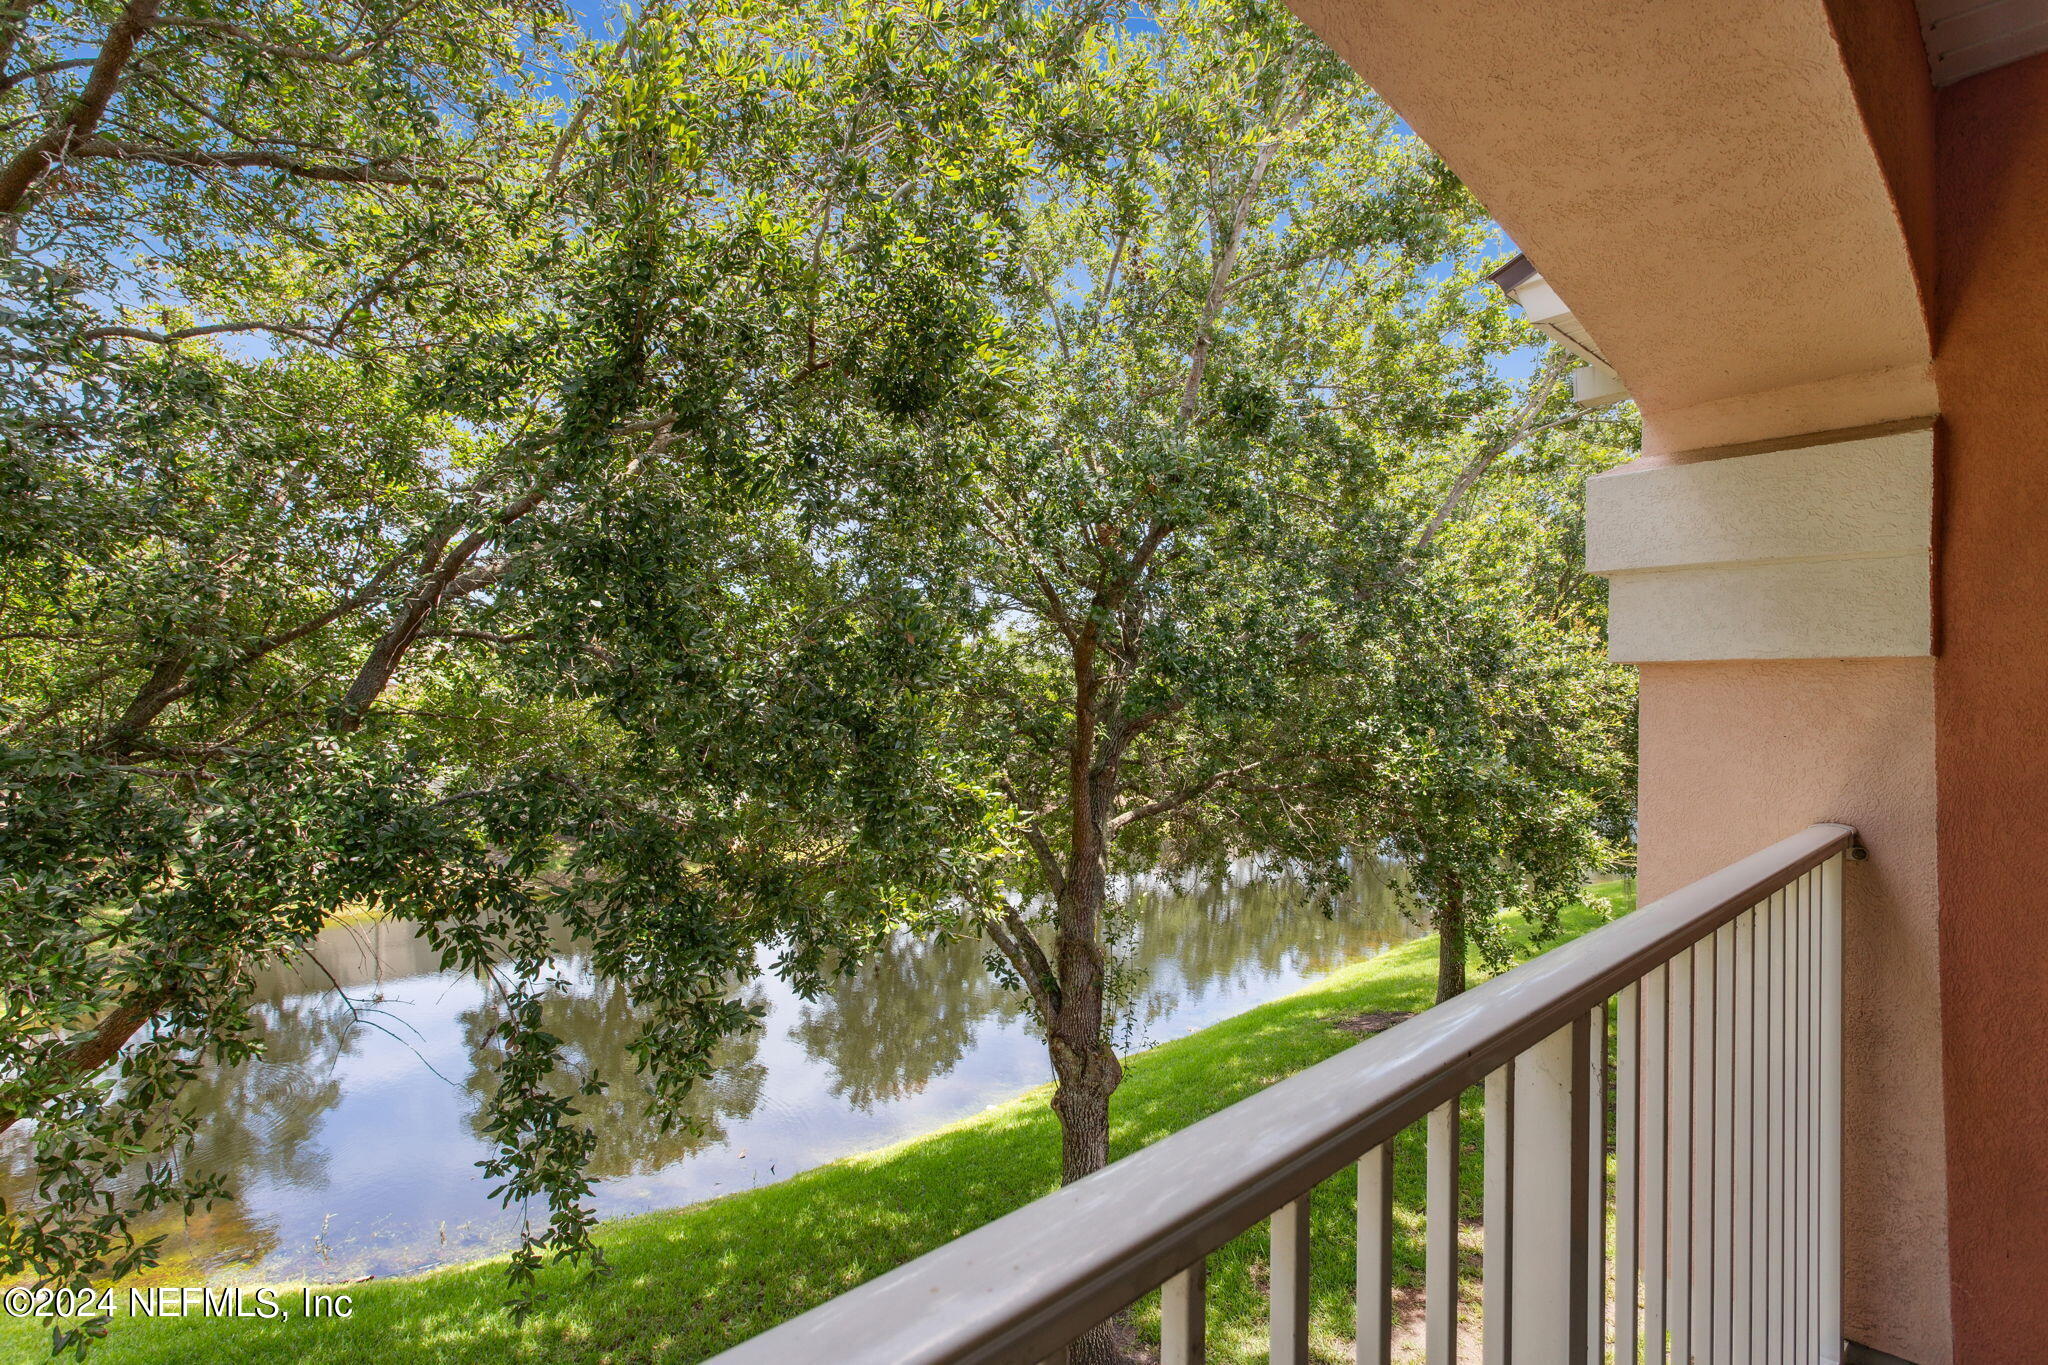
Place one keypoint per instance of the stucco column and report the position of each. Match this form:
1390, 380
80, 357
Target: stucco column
1775, 597
1991, 702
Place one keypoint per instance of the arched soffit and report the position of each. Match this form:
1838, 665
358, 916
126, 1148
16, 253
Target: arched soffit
1696, 180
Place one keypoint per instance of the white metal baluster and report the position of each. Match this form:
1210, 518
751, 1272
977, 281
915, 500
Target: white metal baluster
1440, 1235
1497, 1287
1774, 1134
1656, 1159
1831, 1111
1705, 1024
1742, 1236
1798, 1343
1183, 1317
1813, 1198
1289, 1274
1788, 1128
1817, 1344
1814, 1344
1796, 1091
1550, 1258
1678, 1300
1627, 1159
1727, 1035
1759, 1126
1598, 1077
1375, 1334
1795, 1050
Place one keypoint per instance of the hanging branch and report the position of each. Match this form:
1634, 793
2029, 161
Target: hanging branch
1520, 428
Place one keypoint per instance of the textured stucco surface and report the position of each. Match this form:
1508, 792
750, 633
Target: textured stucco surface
1865, 399
1991, 699
1866, 608
1806, 552
1874, 495
1736, 755
1887, 64
1696, 180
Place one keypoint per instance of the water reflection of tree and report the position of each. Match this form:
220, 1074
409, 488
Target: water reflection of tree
910, 1014
597, 1023
1230, 928
260, 1121
208, 1240
261, 1117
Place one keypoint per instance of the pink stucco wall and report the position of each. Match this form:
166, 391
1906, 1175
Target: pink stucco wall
1991, 701
1736, 755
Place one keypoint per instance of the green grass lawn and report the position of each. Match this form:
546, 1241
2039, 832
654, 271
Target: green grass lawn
691, 1282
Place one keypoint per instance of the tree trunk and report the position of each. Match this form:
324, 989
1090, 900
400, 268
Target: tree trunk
1087, 1076
1084, 1065
87, 1055
1086, 1080
1450, 947
29, 165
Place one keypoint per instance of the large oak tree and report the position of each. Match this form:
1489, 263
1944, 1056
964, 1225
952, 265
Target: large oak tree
1253, 544
321, 317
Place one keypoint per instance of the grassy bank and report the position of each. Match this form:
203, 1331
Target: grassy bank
691, 1282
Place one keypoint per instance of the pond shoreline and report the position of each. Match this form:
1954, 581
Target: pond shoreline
689, 1282
352, 1145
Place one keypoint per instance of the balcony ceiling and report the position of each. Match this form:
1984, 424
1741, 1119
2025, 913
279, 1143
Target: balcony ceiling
1697, 181
1965, 37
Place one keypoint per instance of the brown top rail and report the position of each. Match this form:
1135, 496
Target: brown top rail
1020, 1288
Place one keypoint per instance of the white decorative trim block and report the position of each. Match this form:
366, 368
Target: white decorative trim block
1817, 552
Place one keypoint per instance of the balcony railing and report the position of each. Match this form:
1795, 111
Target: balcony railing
1711, 1018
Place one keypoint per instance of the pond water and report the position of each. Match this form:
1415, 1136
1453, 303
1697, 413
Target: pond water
352, 1144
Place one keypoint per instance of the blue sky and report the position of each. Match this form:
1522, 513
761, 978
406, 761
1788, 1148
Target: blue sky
602, 17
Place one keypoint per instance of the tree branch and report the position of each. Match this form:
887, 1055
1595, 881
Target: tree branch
375, 172
451, 577
485, 636
363, 300
29, 73
1194, 792
102, 1045
1048, 861
23, 724
35, 160
1519, 431
13, 23
211, 329
568, 138
1219, 280
1121, 734
1014, 938
292, 51
1052, 309
155, 699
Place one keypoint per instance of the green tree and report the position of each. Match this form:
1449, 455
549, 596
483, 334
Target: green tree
323, 312
1193, 581
1229, 606
1514, 782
